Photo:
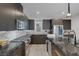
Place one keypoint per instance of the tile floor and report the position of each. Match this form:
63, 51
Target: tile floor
38, 50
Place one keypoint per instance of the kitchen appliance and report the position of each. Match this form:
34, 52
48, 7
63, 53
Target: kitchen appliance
49, 47
58, 30
22, 23
69, 13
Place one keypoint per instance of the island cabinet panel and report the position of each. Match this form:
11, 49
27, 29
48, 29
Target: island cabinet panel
56, 51
38, 39
20, 51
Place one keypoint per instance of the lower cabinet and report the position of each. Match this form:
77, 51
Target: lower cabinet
27, 50
38, 39
49, 47
20, 51
52, 49
56, 51
23, 50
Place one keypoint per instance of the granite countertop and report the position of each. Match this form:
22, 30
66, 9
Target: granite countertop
10, 47
67, 48
14, 44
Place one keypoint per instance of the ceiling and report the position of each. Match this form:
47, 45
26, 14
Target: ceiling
49, 10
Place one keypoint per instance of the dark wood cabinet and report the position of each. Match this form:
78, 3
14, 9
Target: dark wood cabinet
8, 15
31, 24
46, 24
17, 51
53, 49
67, 24
56, 51
38, 39
57, 22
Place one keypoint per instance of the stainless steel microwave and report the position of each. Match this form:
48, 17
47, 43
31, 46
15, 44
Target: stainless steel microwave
20, 24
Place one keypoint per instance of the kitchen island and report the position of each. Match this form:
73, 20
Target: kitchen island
63, 48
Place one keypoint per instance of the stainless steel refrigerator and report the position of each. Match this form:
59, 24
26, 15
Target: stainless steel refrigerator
58, 30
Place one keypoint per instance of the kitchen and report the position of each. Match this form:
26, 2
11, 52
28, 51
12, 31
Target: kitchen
39, 29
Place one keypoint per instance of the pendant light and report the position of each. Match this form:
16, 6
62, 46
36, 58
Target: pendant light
68, 14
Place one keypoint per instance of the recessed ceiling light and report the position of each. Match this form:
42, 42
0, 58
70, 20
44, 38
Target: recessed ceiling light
37, 12
63, 13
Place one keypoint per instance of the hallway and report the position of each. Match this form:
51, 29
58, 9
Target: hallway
38, 50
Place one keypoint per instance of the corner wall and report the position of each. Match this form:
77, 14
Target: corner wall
75, 26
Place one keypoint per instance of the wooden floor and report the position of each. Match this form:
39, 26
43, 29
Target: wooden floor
38, 50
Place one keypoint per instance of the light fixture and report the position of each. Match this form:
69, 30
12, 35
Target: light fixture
63, 12
37, 12
68, 14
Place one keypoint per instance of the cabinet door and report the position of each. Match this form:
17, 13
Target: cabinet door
67, 24
46, 24
56, 51
49, 48
31, 24
38, 39
27, 49
19, 51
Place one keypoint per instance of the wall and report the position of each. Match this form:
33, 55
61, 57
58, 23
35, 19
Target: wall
75, 25
8, 13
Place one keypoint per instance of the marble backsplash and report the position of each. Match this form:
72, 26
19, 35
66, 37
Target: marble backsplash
11, 35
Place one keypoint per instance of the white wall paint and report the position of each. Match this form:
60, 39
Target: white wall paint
75, 25
47, 10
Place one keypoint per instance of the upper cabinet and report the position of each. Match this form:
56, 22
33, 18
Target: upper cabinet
67, 24
57, 22
46, 24
31, 24
9, 12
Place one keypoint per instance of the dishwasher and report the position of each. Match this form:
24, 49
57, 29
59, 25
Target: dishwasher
49, 47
